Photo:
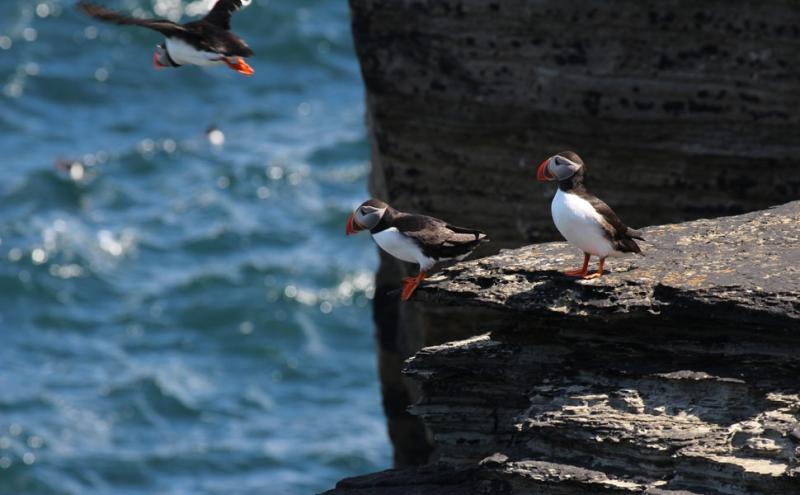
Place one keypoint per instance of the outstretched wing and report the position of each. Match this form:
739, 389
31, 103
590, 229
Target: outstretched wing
220, 14
438, 239
163, 26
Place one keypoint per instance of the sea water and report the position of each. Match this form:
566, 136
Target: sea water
180, 311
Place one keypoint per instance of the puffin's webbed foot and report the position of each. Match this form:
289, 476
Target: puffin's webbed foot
598, 273
582, 271
410, 284
239, 65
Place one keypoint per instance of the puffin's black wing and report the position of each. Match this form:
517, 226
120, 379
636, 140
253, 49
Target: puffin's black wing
220, 14
163, 26
620, 234
438, 239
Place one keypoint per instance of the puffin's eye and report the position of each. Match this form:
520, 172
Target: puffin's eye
362, 210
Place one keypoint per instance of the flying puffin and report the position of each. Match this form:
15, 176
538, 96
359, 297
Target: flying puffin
582, 218
413, 238
208, 41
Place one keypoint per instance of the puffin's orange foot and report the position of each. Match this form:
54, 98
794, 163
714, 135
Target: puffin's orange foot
410, 284
599, 271
240, 66
580, 272
408, 289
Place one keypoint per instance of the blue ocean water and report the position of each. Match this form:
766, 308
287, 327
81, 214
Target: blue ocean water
182, 316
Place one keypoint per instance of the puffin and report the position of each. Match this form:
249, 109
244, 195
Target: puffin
413, 238
205, 42
584, 220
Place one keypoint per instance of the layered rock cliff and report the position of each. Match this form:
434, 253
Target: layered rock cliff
675, 373
681, 110
672, 106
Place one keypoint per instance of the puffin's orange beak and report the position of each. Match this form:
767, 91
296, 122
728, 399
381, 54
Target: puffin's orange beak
352, 227
156, 63
542, 174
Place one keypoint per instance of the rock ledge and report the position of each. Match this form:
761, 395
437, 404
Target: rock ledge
676, 373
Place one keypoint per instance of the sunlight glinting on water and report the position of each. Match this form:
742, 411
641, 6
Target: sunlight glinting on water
178, 304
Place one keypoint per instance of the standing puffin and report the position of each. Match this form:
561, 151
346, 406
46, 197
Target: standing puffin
583, 219
208, 41
413, 238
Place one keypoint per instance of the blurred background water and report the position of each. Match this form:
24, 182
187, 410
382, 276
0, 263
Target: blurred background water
179, 314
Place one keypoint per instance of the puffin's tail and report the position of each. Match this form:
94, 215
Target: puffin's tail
636, 234
478, 235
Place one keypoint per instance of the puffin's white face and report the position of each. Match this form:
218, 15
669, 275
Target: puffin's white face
366, 216
558, 168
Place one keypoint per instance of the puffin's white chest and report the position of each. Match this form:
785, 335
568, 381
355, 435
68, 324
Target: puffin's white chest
401, 247
580, 224
185, 54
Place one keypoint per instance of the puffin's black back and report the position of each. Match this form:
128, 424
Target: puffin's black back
436, 238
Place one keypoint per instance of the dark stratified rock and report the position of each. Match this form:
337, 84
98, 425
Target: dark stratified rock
676, 373
505, 478
681, 110
723, 270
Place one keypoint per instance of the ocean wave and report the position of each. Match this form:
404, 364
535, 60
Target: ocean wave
179, 305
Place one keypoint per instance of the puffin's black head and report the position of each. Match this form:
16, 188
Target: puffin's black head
560, 167
366, 216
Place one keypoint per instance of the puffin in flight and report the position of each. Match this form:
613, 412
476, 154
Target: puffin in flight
582, 218
207, 41
413, 238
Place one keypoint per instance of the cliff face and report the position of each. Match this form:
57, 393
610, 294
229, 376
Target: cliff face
682, 111
672, 108
675, 373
